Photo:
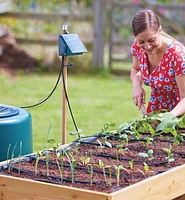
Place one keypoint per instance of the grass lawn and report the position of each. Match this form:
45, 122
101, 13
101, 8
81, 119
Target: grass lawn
94, 99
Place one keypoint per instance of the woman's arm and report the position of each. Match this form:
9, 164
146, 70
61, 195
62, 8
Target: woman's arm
138, 92
180, 107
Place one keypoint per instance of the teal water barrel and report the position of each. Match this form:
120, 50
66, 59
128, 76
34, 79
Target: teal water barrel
15, 132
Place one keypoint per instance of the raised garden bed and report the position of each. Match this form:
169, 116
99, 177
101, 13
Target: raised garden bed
142, 159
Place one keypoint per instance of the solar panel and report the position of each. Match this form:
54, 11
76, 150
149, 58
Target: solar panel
70, 44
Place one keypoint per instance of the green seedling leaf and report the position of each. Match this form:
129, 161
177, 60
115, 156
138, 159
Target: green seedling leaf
131, 164
108, 144
112, 124
143, 155
147, 155
148, 127
67, 149
168, 151
120, 146
141, 129
85, 161
123, 136
51, 141
146, 168
183, 119
150, 152
73, 133
100, 164
124, 126
139, 170
77, 144
166, 125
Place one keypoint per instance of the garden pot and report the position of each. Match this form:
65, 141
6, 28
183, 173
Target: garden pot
15, 131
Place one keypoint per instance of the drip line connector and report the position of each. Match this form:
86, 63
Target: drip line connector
68, 65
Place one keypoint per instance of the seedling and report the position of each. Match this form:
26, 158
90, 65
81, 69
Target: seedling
72, 163
134, 131
9, 164
131, 164
110, 174
84, 161
124, 138
38, 156
47, 152
106, 143
47, 156
119, 148
169, 157
53, 142
167, 124
148, 155
146, 169
118, 169
90, 169
101, 145
90, 154
76, 146
19, 158
107, 125
148, 127
78, 133
60, 165
105, 128
101, 166
149, 141
59, 155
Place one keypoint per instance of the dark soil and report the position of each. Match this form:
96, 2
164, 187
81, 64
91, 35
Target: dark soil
89, 159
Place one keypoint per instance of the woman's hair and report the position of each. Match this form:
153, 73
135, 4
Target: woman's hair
145, 19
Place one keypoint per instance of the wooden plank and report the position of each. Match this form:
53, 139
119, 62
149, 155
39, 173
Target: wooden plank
22, 189
37, 41
48, 16
99, 33
161, 5
165, 186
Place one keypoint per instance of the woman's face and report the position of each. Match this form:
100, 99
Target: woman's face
149, 40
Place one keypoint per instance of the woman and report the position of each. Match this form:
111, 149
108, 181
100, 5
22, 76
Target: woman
159, 62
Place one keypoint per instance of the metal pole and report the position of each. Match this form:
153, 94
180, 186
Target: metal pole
64, 101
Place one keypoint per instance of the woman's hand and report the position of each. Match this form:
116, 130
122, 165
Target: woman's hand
138, 94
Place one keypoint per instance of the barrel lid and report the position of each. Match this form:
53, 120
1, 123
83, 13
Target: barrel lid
8, 111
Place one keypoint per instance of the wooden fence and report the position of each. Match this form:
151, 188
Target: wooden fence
121, 37
116, 17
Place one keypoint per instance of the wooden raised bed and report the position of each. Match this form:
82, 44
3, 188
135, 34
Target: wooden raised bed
167, 185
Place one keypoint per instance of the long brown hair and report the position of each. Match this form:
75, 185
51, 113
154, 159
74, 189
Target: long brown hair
145, 19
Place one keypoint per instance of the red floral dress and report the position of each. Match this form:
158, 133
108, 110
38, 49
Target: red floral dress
164, 88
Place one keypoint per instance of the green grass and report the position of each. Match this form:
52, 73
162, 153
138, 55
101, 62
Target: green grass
94, 99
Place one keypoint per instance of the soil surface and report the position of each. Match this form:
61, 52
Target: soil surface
104, 164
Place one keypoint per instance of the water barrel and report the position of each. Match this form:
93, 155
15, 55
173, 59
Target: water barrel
15, 132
